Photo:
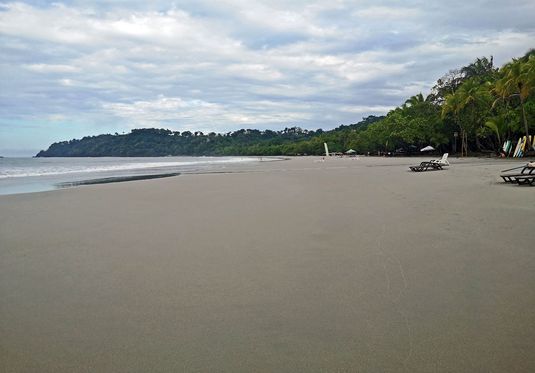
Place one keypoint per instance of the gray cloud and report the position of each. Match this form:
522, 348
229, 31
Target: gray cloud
100, 65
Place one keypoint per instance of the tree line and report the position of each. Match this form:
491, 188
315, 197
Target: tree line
481, 104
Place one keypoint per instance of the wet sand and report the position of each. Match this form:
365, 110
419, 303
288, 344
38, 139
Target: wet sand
298, 266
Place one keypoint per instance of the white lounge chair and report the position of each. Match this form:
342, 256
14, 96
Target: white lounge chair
442, 161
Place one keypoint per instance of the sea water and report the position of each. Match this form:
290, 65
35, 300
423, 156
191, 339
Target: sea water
25, 175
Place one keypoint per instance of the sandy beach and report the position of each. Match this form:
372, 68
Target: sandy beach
347, 265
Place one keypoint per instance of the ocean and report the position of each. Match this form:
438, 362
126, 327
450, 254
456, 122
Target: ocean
26, 175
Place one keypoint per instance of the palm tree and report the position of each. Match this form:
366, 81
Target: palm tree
499, 126
414, 100
469, 96
473, 93
453, 104
474, 97
518, 81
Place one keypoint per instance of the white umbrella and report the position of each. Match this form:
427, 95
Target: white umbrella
427, 149
351, 151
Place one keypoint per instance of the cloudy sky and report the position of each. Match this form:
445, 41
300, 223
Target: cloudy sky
75, 68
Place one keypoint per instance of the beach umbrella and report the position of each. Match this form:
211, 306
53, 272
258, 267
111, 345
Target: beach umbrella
427, 149
351, 151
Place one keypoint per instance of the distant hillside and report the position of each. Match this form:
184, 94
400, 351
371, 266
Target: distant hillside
151, 142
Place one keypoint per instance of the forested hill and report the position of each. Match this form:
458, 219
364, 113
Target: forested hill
151, 142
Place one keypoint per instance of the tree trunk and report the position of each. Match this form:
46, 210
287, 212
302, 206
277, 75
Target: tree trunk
478, 143
526, 128
464, 143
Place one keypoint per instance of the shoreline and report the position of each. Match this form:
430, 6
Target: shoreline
18, 176
242, 168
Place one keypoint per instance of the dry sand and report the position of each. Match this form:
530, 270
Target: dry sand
297, 266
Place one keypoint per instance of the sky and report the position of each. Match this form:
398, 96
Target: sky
77, 68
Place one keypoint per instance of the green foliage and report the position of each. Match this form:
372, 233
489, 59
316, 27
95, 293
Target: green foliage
498, 126
517, 83
148, 142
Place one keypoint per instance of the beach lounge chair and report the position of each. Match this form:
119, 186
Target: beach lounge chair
433, 164
442, 161
528, 169
525, 180
426, 166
